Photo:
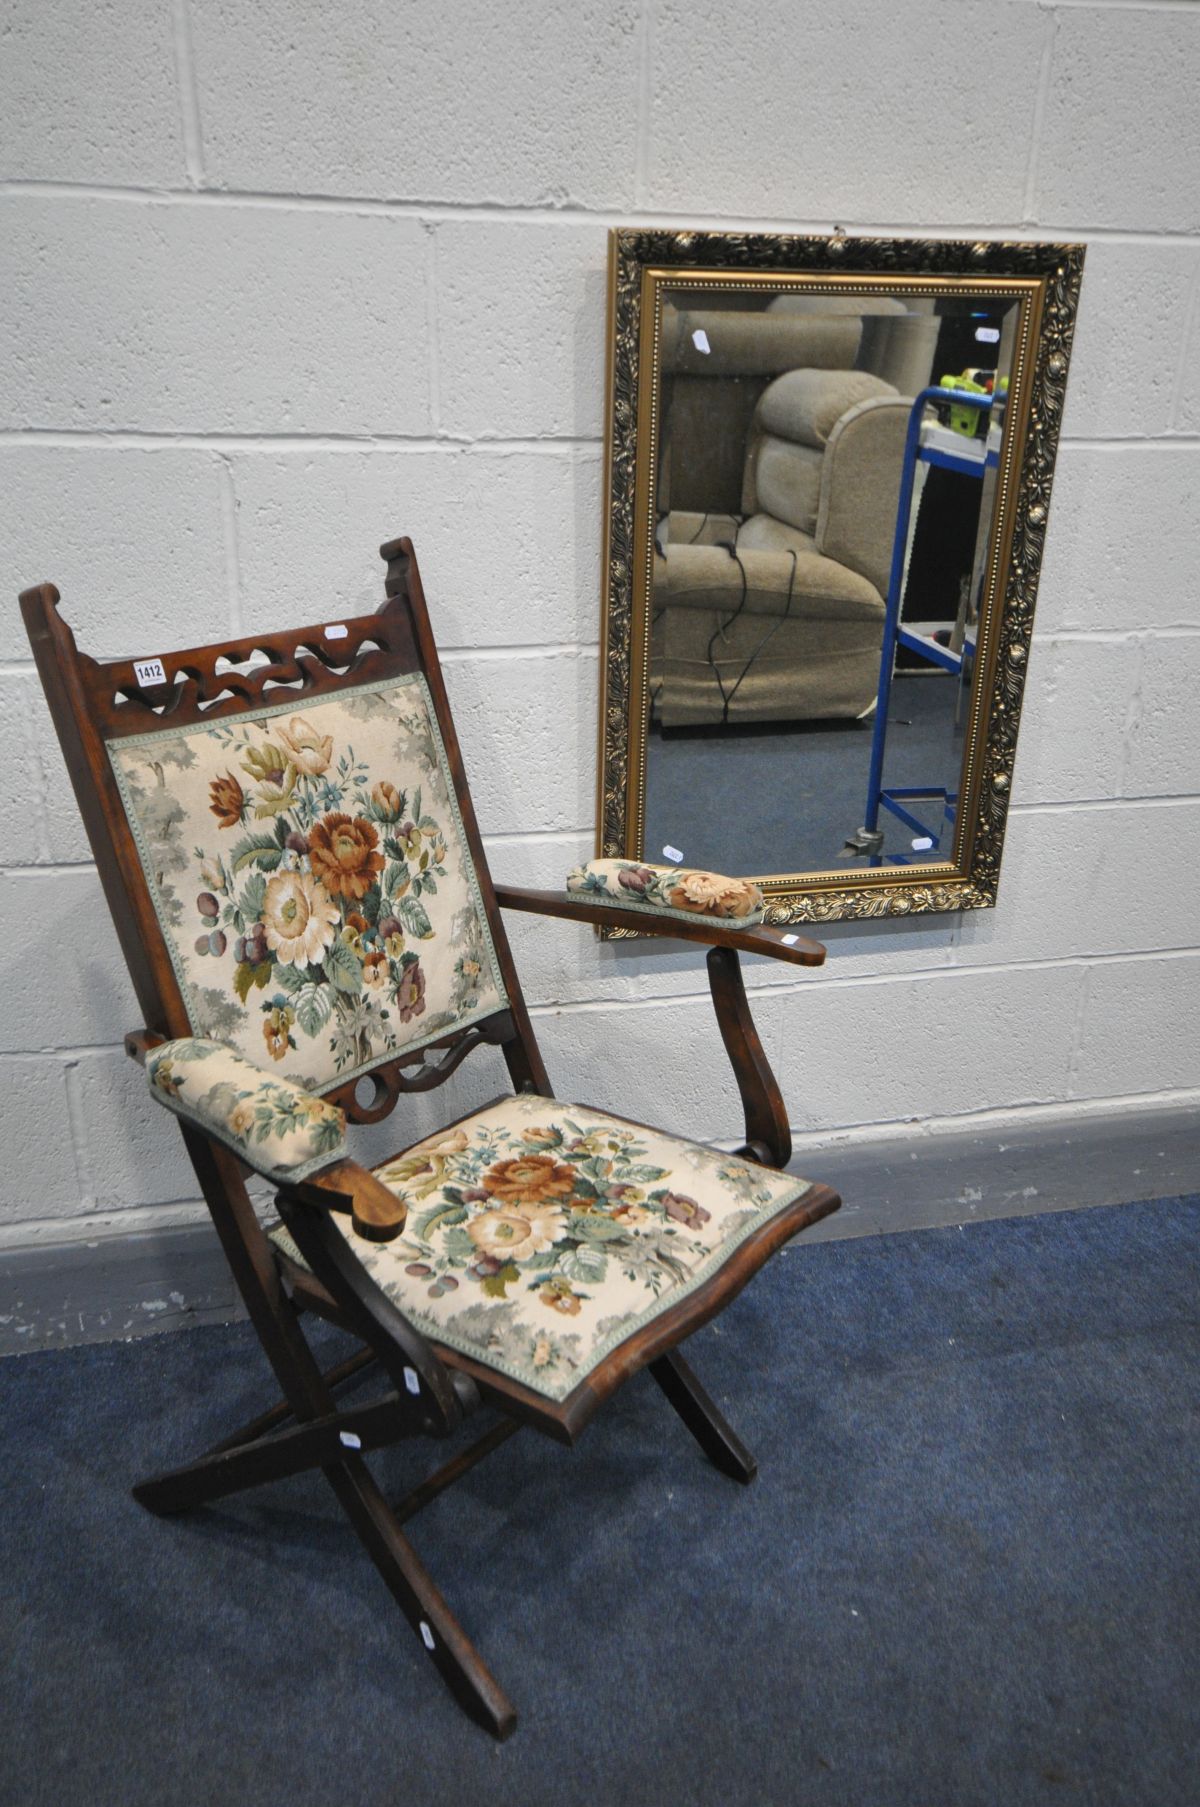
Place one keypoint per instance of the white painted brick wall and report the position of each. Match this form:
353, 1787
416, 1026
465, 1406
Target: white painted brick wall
1120, 558
166, 317
1120, 138
136, 531
528, 105
1129, 339
520, 324
309, 530
39, 1178
764, 112
281, 281
89, 93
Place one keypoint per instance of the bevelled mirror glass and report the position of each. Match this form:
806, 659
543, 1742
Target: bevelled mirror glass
829, 466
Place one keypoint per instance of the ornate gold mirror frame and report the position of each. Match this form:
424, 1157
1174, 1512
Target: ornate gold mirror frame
645, 267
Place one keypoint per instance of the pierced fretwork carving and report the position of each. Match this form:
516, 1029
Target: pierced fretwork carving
209, 682
420, 1071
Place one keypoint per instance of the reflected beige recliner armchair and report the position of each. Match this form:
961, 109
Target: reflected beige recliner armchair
779, 617
768, 603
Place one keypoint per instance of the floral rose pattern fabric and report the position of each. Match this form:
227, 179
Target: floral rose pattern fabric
279, 1128
311, 876
541, 1235
671, 890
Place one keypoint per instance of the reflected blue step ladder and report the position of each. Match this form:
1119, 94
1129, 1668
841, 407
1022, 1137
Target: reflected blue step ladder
895, 798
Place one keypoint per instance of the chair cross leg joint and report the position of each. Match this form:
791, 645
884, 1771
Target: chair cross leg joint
314, 1443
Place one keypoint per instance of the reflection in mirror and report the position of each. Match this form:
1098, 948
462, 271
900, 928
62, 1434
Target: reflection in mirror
824, 491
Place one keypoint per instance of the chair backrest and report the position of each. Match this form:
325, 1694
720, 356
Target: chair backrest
284, 832
824, 455
716, 363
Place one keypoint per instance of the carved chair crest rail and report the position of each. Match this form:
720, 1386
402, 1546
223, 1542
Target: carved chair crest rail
286, 840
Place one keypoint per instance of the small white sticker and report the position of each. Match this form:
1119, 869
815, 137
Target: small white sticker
336, 632
149, 671
672, 853
412, 1380
700, 340
987, 335
426, 1636
923, 843
790, 940
351, 1439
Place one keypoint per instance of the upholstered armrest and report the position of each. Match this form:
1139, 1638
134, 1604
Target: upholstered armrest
769, 576
278, 1128
668, 890
758, 938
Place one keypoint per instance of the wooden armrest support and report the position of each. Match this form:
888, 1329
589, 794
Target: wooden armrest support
405, 1353
768, 1136
378, 1215
758, 938
140, 1042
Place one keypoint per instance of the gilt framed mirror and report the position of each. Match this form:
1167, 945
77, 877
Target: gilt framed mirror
828, 479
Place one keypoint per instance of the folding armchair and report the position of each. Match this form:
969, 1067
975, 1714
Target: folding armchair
285, 837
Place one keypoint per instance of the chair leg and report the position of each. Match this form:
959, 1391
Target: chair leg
712, 1431
314, 1444
279, 1414
378, 1527
307, 1395
413, 1588
241, 1459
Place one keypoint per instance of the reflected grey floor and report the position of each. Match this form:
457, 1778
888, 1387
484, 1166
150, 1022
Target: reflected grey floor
783, 799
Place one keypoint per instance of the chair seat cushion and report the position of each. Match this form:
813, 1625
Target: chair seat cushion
542, 1235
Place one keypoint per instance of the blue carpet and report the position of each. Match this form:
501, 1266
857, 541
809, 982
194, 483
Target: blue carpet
967, 1573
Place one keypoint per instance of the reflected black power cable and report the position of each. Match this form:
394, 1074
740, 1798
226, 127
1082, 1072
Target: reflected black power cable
723, 628
771, 631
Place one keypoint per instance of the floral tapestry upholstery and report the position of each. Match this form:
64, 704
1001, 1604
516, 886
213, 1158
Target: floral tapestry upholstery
312, 879
542, 1235
668, 890
279, 1128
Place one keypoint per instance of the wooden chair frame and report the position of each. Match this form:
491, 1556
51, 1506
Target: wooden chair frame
431, 1389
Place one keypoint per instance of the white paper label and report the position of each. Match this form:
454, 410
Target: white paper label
923, 843
149, 671
351, 1439
412, 1380
673, 854
790, 940
426, 1636
987, 335
337, 632
700, 340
